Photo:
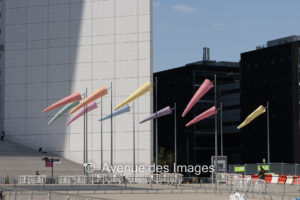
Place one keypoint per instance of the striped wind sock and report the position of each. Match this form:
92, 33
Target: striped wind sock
82, 111
257, 112
62, 111
163, 112
122, 110
146, 87
202, 116
69, 99
97, 94
203, 89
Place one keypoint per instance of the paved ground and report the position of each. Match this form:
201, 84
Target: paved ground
137, 192
177, 197
184, 196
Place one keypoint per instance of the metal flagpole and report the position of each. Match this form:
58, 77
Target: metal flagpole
175, 138
86, 131
216, 119
101, 136
221, 127
216, 126
268, 131
52, 170
133, 140
156, 127
83, 152
111, 127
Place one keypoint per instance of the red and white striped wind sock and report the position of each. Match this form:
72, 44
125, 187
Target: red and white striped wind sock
69, 99
203, 89
202, 116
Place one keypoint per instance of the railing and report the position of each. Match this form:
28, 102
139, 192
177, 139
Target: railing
222, 185
41, 195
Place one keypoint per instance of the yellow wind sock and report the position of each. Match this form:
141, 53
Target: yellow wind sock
146, 87
260, 110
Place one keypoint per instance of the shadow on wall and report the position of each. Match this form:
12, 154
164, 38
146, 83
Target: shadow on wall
51, 36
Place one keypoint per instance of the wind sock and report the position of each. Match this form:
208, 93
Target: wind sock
203, 89
69, 99
97, 94
160, 113
62, 111
82, 111
122, 110
202, 116
146, 87
260, 110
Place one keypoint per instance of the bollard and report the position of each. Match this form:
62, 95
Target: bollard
49, 196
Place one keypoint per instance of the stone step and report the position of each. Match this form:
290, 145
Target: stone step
16, 160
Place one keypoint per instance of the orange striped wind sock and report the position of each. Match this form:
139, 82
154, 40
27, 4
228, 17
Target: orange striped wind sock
202, 116
203, 89
69, 99
97, 94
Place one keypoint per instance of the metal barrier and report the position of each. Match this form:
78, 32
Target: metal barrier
28, 179
222, 178
65, 179
34, 195
80, 179
226, 184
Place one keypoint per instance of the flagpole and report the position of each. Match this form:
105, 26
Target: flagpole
156, 127
133, 142
83, 152
216, 126
86, 130
221, 128
268, 131
101, 135
111, 126
175, 138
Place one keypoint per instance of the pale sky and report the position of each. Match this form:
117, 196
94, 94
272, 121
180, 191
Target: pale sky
181, 28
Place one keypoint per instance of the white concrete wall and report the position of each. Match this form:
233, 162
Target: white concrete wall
2, 19
57, 47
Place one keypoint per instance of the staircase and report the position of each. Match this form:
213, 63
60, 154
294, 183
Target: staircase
16, 160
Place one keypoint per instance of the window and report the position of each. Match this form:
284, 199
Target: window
272, 61
232, 107
281, 59
265, 81
233, 91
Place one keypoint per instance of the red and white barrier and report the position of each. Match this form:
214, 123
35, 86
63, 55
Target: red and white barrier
275, 179
289, 180
272, 178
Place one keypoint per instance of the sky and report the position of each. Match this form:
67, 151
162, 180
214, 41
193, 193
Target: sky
181, 28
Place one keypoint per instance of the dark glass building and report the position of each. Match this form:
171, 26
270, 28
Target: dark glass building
196, 144
271, 73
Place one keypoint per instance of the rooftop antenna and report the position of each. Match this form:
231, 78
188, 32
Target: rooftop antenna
205, 54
